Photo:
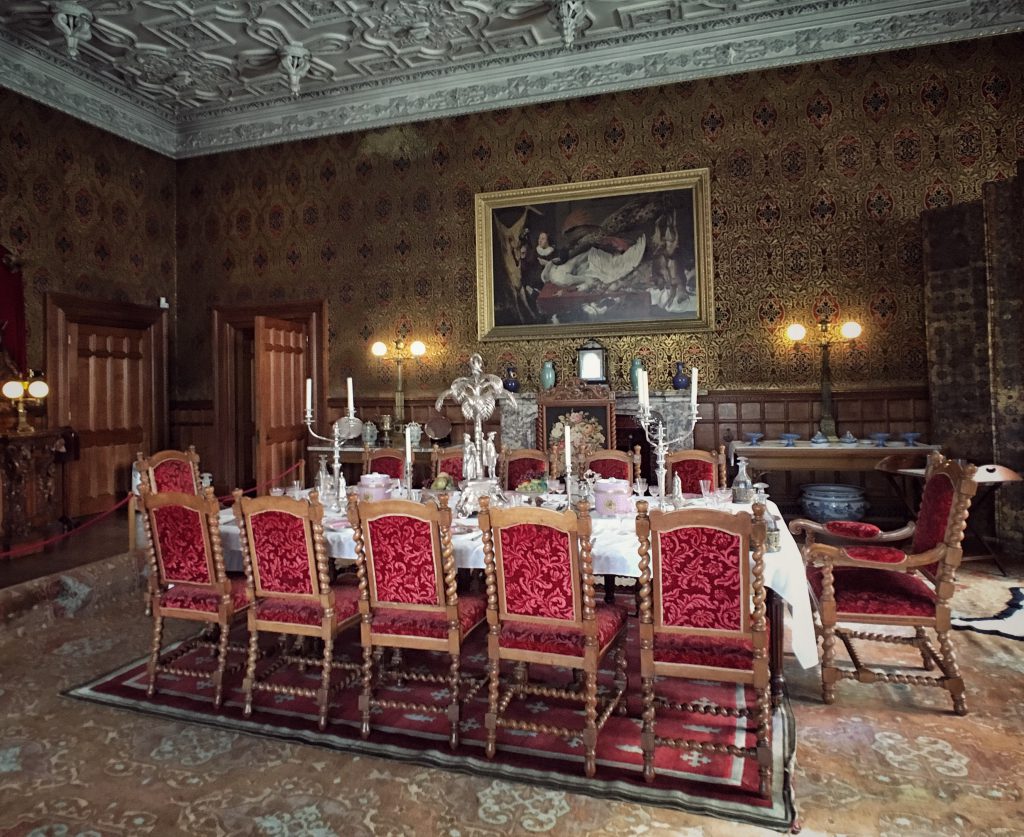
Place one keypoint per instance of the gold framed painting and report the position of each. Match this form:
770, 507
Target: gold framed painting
631, 255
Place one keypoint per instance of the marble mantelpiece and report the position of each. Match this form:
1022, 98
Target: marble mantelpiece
519, 427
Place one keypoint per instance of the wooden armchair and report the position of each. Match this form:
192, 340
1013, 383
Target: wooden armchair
390, 461
688, 632
541, 609
869, 581
615, 464
408, 599
521, 464
187, 579
692, 466
288, 578
166, 470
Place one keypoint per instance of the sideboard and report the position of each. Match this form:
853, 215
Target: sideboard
33, 485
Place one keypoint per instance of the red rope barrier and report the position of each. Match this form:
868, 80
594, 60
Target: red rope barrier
26, 548
35, 546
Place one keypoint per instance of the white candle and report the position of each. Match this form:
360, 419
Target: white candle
568, 452
408, 443
693, 391
351, 400
644, 396
309, 395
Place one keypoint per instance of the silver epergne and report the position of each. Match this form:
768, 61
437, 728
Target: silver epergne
654, 429
345, 428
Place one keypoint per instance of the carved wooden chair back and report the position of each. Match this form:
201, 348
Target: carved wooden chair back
703, 615
519, 465
615, 464
692, 466
448, 461
170, 470
390, 461
187, 578
942, 519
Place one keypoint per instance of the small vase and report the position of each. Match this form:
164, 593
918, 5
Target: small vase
511, 379
680, 380
547, 374
634, 370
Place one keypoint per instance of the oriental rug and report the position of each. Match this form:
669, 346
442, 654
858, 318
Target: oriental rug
711, 784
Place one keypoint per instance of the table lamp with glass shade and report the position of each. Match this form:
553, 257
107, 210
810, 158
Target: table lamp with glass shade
402, 352
32, 389
849, 330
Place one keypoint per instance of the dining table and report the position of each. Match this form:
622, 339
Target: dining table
615, 552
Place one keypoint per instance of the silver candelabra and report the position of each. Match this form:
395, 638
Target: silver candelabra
657, 436
345, 428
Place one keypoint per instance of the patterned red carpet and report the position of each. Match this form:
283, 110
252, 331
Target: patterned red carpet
716, 784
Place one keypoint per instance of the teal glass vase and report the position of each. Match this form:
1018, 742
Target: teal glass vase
634, 370
547, 374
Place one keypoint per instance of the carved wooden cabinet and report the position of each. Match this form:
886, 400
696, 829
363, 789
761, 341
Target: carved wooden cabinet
32, 483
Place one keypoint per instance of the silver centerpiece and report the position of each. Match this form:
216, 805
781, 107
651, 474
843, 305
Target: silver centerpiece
477, 394
345, 428
653, 425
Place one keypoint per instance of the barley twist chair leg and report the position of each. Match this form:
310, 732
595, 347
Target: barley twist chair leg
492, 707
647, 731
370, 654
590, 728
453, 704
828, 669
954, 682
154, 653
250, 671
325, 680
921, 640
222, 662
621, 675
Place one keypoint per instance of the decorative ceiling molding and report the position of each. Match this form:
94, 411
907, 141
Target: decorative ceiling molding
191, 77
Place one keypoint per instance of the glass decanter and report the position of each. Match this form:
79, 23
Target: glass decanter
742, 488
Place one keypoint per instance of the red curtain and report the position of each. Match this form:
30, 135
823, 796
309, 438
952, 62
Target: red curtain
12, 311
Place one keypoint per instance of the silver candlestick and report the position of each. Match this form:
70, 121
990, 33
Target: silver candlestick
345, 428
654, 429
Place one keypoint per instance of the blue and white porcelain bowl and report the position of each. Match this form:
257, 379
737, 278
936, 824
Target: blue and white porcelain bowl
826, 501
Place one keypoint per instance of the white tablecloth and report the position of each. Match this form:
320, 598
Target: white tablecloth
615, 552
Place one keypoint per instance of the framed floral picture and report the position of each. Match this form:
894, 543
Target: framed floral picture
631, 255
590, 413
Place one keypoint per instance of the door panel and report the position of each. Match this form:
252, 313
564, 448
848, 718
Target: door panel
106, 362
280, 349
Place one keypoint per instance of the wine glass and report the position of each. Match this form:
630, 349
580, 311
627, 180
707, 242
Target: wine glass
640, 486
705, 491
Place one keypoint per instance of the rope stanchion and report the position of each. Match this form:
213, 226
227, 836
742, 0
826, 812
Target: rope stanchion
35, 546
228, 499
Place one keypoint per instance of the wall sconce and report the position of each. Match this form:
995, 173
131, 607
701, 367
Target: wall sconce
849, 330
33, 389
402, 353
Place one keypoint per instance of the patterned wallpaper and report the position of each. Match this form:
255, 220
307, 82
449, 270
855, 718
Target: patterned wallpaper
86, 212
819, 174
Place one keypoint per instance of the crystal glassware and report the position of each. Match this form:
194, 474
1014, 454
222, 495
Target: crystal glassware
640, 486
705, 490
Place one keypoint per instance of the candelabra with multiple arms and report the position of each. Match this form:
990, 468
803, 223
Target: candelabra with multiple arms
345, 428
657, 436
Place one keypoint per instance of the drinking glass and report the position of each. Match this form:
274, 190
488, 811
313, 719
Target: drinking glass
277, 491
705, 489
640, 486
723, 497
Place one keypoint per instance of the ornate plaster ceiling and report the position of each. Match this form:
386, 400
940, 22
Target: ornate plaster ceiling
190, 77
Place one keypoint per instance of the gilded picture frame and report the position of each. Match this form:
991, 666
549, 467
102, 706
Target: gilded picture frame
630, 255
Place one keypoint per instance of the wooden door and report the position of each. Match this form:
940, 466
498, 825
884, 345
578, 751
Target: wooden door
280, 350
106, 364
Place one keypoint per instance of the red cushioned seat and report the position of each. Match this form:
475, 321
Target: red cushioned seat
852, 529
201, 597
720, 652
558, 639
862, 591
404, 622
273, 609
878, 554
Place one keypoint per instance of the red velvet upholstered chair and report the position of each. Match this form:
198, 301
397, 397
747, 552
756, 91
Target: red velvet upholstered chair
703, 617
692, 466
541, 609
447, 461
408, 598
869, 581
518, 466
166, 470
615, 464
286, 567
390, 461
186, 567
